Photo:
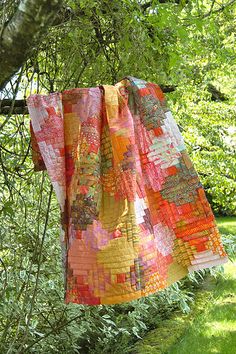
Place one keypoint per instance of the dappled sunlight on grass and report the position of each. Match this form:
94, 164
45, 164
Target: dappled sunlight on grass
224, 326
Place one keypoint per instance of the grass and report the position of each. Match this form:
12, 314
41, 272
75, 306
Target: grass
227, 224
214, 329
210, 327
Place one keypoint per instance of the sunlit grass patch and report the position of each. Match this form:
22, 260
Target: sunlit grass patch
227, 224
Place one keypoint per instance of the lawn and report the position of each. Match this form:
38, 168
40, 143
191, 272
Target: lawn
214, 329
226, 224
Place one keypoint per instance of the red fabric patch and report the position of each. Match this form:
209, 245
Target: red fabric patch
201, 247
69, 168
79, 234
169, 259
144, 159
93, 301
143, 92
67, 107
93, 148
83, 189
185, 208
158, 131
120, 277
50, 110
116, 233
80, 279
196, 242
172, 170
83, 287
155, 88
36, 155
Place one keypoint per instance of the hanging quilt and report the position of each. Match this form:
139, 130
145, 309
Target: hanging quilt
134, 214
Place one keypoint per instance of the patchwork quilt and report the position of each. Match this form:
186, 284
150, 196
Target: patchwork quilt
134, 214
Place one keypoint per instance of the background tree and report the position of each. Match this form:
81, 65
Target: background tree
21, 31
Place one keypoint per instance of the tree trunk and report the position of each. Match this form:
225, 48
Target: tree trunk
24, 30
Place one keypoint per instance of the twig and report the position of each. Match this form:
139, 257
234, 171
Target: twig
219, 9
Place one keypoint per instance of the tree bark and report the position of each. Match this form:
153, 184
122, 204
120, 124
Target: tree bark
23, 32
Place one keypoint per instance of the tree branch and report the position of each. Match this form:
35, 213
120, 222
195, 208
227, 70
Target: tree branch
216, 95
20, 106
221, 8
23, 32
